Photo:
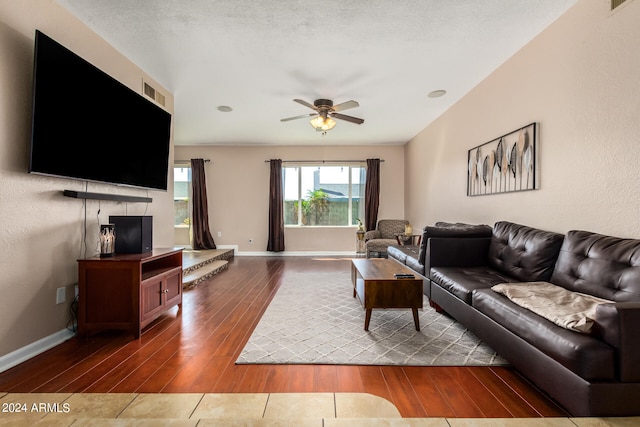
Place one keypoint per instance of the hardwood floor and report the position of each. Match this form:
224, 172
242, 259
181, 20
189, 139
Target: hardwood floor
194, 351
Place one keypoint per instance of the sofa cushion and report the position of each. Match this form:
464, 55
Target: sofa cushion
408, 255
524, 253
414, 263
570, 310
604, 266
583, 354
400, 253
461, 282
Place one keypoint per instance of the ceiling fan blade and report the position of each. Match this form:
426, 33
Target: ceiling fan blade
345, 106
347, 118
306, 104
299, 117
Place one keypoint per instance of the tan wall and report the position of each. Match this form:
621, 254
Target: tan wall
42, 231
238, 185
579, 80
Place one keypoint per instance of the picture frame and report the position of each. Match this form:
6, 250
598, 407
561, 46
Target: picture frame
504, 165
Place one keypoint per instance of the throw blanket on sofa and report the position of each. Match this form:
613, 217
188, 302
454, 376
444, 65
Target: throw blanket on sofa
570, 310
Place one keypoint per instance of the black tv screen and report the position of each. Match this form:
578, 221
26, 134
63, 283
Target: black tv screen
86, 125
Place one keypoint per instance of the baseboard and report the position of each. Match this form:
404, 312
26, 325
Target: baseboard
300, 253
234, 247
20, 355
237, 252
188, 247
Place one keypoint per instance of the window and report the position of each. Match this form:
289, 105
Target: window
323, 195
181, 190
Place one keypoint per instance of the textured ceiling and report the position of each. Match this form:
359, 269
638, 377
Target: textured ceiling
256, 57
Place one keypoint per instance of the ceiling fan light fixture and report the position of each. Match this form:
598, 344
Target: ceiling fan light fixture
325, 112
322, 123
317, 122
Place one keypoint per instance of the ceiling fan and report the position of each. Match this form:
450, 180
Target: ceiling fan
325, 112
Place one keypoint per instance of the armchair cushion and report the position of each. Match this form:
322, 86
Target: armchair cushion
379, 245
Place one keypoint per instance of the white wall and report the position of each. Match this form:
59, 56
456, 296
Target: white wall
42, 232
579, 80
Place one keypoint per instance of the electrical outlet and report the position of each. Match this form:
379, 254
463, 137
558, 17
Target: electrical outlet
219, 233
251, 241
61, 295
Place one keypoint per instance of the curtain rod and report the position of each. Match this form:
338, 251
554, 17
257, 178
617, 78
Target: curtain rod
323, 161
189, 161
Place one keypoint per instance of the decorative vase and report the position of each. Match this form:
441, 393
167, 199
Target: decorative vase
107, 240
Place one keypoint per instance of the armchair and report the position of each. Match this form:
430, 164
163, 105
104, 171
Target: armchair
377, 241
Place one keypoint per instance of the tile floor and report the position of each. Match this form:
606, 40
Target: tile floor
242, 410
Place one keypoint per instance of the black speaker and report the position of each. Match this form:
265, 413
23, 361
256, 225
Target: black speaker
133, 234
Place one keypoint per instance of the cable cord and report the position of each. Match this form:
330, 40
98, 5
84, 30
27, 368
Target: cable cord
83, 249
72, 324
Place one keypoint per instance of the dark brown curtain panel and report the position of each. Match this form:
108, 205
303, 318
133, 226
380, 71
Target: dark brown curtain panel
372, 194
202, 238
276, 208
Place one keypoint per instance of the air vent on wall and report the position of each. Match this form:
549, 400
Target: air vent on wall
153, 94
616, 3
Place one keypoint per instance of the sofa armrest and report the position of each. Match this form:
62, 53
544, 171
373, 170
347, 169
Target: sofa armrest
617, 324
372, 234
458, 252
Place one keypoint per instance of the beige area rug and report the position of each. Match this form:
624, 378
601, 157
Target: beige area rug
314, 319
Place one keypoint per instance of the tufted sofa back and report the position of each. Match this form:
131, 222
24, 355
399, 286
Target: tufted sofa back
604, 266
524, 253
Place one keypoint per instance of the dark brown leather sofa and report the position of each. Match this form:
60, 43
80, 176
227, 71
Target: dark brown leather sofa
595, 374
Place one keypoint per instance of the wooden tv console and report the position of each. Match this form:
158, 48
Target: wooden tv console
128, 292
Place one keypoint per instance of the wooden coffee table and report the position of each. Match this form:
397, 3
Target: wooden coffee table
376, 287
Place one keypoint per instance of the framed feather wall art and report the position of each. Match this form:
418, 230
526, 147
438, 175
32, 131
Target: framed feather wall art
503, 165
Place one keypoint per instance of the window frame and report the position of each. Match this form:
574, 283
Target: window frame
180, 198
351, 215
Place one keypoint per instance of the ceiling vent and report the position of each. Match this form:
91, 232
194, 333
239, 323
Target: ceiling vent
616, 3
152, 93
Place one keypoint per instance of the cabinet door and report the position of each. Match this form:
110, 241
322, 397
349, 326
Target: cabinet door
173, 287
151, 298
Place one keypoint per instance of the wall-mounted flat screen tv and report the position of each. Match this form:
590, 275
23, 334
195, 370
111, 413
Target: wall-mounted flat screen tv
86, 125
